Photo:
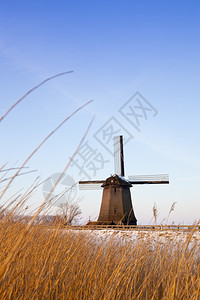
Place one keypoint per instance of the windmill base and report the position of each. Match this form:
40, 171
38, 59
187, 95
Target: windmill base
95, 223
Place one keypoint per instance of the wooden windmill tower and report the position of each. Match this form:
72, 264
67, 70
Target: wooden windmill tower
116, 205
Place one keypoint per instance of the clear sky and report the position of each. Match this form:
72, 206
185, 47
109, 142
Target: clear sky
116, 49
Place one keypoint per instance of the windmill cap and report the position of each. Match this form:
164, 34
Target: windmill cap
116, 181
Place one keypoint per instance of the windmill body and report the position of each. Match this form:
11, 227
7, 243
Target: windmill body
116, 205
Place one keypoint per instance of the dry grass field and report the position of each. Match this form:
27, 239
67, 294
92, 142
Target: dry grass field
40, 262
48, 262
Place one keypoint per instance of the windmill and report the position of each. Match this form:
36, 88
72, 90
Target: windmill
116, 205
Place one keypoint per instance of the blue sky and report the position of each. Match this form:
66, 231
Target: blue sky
115, 49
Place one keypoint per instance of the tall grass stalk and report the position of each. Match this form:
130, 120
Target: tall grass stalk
30, 91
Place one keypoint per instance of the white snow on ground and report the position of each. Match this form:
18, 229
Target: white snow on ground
163, 236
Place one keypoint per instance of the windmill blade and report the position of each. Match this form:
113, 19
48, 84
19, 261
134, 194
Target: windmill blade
118, 155
149, 182
91, 185
149, 179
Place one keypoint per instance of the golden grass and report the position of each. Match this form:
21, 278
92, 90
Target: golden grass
52, 263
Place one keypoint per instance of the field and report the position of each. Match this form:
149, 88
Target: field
44, 262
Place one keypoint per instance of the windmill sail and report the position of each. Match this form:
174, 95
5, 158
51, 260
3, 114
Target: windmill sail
91, 184
117, 168
149, 179
119, 156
